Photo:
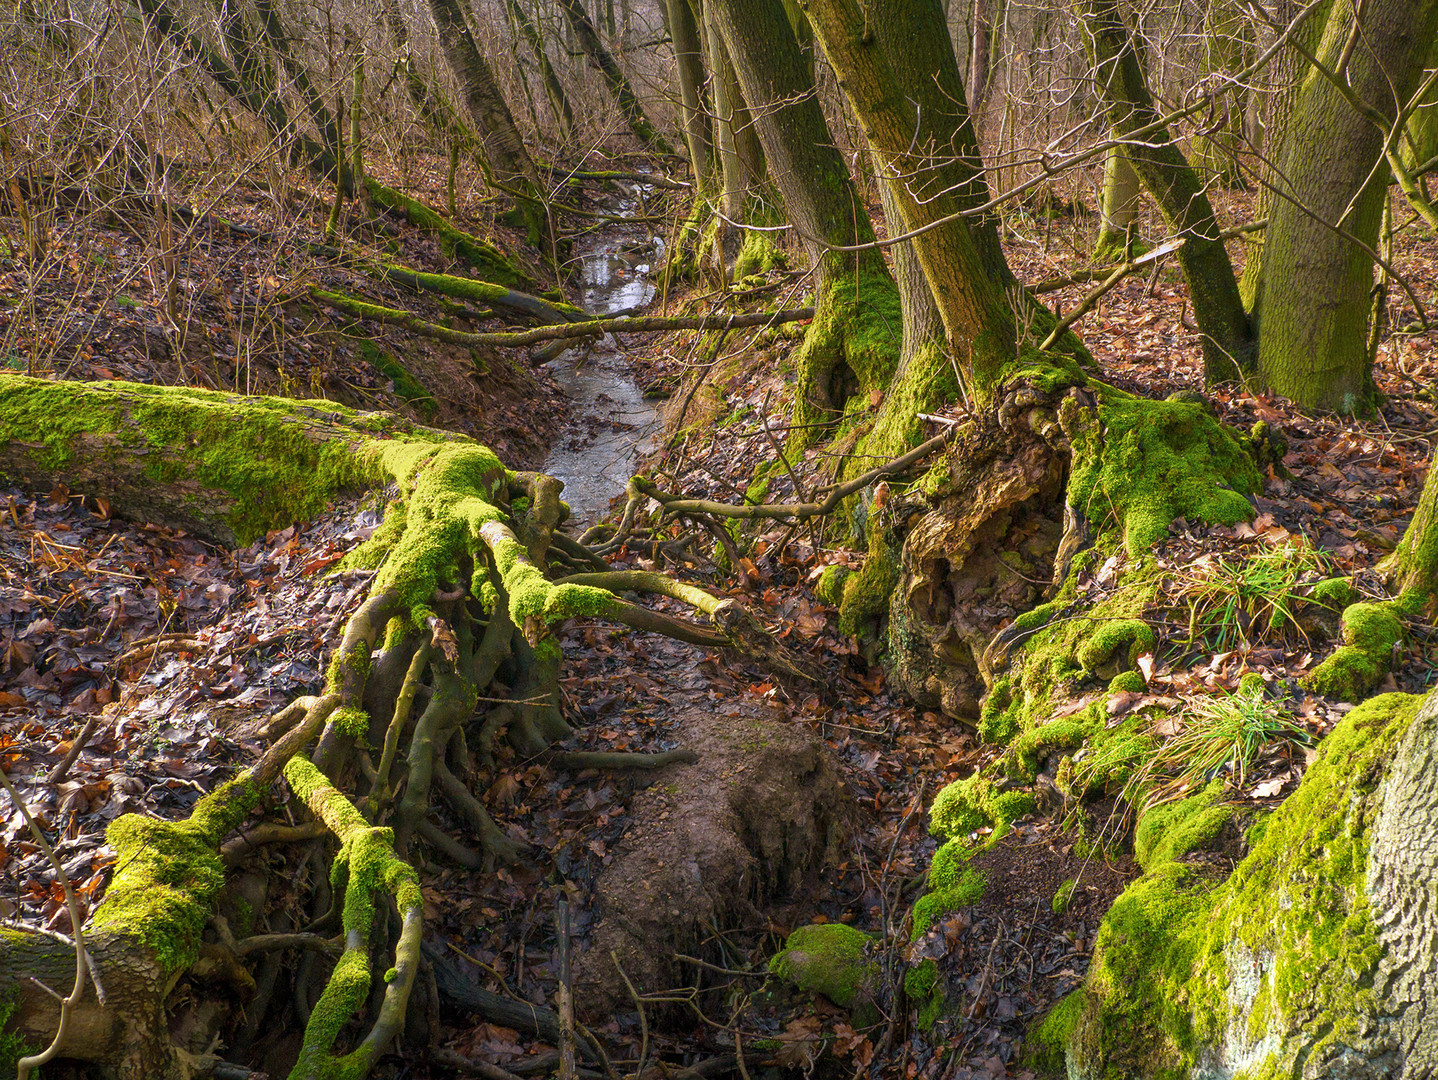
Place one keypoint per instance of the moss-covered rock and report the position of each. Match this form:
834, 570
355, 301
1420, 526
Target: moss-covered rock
830, 959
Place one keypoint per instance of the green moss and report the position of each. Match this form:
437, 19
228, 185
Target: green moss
168, 873
351, 721
1149, 462
952, 885
927, 384
1172, 830
12, 1046
254, 448
998, 716
830, 959
1334, 593
852, 346
1063, 896
831, 584
968, 805
1064, 733
758, 254
1182, 965
1048, 1039
1039, 617
1370, 633
1121, 641
866, 594
919, 980
1127, 682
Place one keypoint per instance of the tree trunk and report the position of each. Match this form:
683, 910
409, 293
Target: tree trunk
803, 161
1222, 321
1315, 301
853, 343
1412, 569
741, 155
1315, 957
1118, 211
507, 160
928, 157
979, 57
618, 85
689, 62
1277, 90
432, 110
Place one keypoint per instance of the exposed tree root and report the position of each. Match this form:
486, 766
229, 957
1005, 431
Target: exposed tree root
461, 618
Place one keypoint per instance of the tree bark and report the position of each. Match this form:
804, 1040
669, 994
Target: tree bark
929, 160
803, 160
1118, 212
1315, 301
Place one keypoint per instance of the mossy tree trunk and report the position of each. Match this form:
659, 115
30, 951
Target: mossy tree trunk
891, 56
507, 160
1315, 957
1118, 208
1227, 340
1317, 281
1277, 87
1413, 567
743, 170
472, 574
853, 344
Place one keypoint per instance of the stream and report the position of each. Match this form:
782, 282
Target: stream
611, 425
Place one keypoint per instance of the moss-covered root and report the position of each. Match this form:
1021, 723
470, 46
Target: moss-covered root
368, 865
864, 597
147, 930
473, 250
1371, 633
1304, 961
170, 872
834, 960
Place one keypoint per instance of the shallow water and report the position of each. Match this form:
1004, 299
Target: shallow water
611, 426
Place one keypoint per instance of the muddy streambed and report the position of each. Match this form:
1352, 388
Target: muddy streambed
611, 425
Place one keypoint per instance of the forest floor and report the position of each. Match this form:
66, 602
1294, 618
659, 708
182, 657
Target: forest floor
155, 653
